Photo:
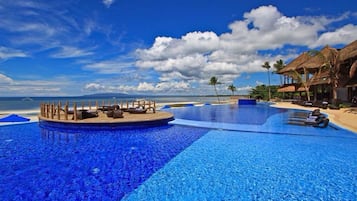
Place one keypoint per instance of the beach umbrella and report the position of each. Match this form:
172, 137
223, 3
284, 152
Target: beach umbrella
13, 118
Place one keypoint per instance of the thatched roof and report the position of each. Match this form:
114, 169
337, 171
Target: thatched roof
348, 52
321, 58
294, 64
290, 88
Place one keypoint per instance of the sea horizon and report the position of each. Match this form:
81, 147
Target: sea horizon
23, 104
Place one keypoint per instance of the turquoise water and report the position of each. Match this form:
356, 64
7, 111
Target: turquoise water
186, 160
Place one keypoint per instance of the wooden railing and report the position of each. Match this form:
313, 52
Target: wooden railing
63, 112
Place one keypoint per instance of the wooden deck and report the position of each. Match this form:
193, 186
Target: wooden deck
103, 119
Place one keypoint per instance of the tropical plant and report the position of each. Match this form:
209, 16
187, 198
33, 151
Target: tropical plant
266, 65
302, 78
214, 81
232, 88
279, 64
332, 65
261, 92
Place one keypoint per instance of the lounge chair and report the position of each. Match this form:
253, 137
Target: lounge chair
115, 114
105, 108
137, 110
314, 118
84, 114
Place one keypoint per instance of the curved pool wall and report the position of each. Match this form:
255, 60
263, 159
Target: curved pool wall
103, 125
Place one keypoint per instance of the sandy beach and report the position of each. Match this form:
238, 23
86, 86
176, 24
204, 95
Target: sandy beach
345, 117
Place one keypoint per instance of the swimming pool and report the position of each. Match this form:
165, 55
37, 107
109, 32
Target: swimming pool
234, 113
272, 160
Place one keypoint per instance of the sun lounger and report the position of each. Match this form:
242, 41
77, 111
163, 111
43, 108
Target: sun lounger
314, 118
138, 110
115, 114
85, 114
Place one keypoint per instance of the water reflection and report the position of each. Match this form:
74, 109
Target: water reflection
58, 135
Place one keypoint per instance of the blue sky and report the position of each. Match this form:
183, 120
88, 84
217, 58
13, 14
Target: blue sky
76, 47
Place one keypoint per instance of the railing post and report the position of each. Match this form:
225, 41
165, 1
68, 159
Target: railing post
66, 111
59, 111
48, 110
52, 110
75, 112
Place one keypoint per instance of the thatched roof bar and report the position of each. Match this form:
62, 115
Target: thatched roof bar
295, 64
321, 58
348, 52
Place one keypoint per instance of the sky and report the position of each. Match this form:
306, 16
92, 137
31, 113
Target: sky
159, 47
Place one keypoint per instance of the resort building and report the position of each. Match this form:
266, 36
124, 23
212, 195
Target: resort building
325, 75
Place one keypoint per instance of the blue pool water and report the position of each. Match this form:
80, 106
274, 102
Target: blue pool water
40, 164
197, 160
241, 114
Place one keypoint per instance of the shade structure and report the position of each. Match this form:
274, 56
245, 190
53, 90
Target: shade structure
348, 52
291, 88
13, 118
296, 63
326, 55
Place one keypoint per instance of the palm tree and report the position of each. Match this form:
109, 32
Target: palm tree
266, 65
279, 64
232, 88
214, 81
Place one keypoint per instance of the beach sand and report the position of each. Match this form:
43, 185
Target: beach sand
345, 117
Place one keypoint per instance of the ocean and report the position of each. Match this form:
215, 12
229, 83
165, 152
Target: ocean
25, 105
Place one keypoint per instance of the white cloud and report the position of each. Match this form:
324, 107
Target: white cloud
115, 66
93, 87
343, 35
108, 3
71, 52
6, 53
263, 18
198, 55
5, 79
56, 86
